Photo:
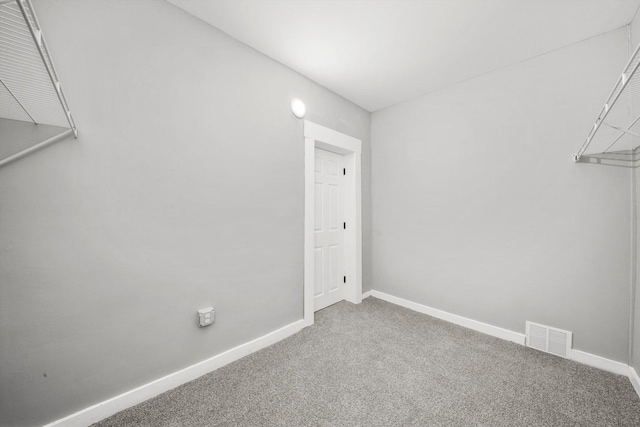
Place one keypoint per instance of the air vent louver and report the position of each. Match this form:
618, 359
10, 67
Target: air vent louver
548, 339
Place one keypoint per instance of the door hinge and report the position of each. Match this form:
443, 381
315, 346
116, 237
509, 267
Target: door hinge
344, 279
344, 225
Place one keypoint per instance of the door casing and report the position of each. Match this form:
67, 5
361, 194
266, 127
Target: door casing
317, 136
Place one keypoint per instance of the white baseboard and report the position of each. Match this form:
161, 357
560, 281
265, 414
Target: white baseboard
123, 401
600, 362
635, 380
495, 331
576, 355
116, 404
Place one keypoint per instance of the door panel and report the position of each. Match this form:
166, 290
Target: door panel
334, 206
329, 231
318, 208
319, 270
335, 267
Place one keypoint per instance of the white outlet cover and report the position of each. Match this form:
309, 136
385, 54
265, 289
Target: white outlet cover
206, 316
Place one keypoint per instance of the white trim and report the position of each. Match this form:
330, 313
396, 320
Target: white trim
332, 137
133, 397
453, 318
635, 380
576, 355
317, 136
130, 398
309, 215
600, 362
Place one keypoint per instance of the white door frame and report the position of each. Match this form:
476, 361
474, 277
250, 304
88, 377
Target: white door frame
316, 136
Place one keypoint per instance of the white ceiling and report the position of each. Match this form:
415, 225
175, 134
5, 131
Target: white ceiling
379, 53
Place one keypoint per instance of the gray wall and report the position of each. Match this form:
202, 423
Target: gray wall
479, 211
185, 189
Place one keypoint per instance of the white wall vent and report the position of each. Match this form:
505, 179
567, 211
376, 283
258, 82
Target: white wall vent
548, 339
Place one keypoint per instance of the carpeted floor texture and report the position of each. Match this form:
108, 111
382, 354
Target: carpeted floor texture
378, 364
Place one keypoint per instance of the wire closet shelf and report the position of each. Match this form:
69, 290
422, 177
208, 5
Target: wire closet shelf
614, 138
30, 90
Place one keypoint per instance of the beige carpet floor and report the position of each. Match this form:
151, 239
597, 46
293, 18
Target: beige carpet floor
377, 364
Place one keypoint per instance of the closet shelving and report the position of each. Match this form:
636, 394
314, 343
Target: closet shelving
34, 111
614, 138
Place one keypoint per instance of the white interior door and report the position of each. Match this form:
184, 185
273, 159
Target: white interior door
329, 229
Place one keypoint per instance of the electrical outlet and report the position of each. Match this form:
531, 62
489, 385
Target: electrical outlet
206, 316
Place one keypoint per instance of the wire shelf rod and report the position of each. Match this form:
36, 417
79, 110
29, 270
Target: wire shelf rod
27, 94
47, 109
21, 56
63, 98
15, 82
621, 130
6, 7
27, 73
11, 12
18, 56
19, 51
42, 48
10, 6
20, 38
18, 76
604, 113
15, 112
44, 105
46, 51
31, 92
15, 77
622, 82
23, 68
621, 134
18, 101
17, 47
11, 23
16, 63
29, 150
20, 31
19, 61
41, 102
15, 36
18, 21
11, 38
